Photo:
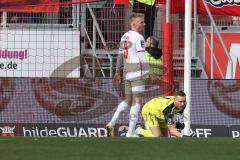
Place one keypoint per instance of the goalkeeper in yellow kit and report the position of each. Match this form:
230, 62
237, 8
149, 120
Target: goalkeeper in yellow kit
159, 113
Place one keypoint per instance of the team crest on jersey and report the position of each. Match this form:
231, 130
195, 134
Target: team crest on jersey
126, 37
142, 43
222, 3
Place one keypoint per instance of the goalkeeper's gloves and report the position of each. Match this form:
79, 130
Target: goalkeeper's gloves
180, 125
191, 135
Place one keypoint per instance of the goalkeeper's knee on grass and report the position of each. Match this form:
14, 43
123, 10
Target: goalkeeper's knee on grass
143, 132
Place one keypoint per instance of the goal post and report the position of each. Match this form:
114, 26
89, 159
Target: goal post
187, 63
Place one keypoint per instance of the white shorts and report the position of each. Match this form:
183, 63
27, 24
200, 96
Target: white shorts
134, 86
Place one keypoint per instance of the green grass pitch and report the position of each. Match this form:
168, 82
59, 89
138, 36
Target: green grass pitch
26, 148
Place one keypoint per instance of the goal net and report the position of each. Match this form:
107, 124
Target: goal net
57, 59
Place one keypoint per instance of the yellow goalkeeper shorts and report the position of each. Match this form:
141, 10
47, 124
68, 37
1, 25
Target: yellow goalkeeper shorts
152, 121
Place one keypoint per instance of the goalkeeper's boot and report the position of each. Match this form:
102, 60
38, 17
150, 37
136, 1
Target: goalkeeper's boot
110, 131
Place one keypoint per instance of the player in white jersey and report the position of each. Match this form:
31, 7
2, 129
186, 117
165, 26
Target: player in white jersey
133, 48
131, 52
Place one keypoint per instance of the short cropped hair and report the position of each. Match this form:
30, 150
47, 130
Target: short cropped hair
135, 15
179, 93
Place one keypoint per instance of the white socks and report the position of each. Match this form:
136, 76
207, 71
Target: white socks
133, 115
121, 107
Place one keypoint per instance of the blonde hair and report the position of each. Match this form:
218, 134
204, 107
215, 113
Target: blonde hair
135, 15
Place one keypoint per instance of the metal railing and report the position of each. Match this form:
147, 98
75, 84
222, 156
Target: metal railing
214, 57
97, 30
214, 29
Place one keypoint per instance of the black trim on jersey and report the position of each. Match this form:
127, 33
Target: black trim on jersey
168, 113
181, 112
